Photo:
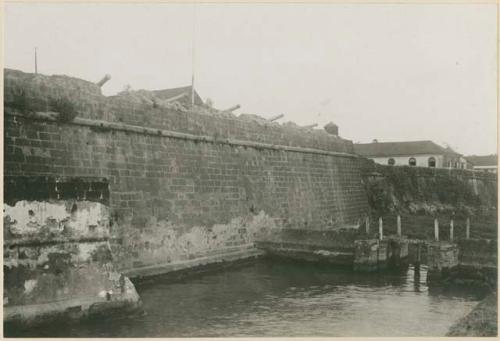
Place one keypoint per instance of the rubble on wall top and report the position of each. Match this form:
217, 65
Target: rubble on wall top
70, 83
148, 97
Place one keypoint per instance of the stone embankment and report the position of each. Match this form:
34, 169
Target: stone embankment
481, 321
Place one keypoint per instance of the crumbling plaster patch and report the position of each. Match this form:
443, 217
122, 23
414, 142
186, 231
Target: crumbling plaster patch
81, 217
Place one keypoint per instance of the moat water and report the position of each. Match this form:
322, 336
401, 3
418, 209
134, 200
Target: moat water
283, 298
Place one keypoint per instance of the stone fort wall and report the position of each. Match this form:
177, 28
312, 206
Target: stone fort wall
182, 186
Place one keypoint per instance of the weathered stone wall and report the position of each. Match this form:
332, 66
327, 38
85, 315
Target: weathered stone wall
429, 191
58, 261
175, 198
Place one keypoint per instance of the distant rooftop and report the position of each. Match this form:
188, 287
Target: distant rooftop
483, 160
169, 93
401, 148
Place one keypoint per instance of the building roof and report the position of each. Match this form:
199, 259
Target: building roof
169, 93
483, 160
401, 148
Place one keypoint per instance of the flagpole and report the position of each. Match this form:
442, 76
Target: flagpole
36, 62
193, 54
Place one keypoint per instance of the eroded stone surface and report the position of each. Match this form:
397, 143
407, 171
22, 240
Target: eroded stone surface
42, 220
43, 280
442, 255
57, 257
164, 242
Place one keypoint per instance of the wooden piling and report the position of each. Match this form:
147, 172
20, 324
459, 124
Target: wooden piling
467, 229
380, 228
416, 264
436, 229
451, 229
367, 225
399, 225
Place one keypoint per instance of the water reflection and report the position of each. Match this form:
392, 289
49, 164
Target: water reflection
283, 298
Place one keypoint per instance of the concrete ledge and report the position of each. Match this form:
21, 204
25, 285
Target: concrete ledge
164, 268
308, 252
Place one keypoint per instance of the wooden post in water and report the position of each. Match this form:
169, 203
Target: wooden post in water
467, 229
399, 225
380, 228
436, 229
367, 225
416, 266
451, 230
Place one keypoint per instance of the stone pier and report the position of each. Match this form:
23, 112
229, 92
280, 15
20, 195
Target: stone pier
469, 262
398, 252
369, 254
375, 254
442, 257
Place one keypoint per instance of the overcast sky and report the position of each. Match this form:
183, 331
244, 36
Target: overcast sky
386, 72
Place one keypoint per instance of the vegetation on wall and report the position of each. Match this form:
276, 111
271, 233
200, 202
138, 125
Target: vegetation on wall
62, 105
428, 191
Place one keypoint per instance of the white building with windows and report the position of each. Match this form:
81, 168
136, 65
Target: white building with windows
484, 163
411, 153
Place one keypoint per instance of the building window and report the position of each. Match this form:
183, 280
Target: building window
432, 162
391, 162
412, 161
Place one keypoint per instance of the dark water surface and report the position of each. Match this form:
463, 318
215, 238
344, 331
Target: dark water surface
281, 298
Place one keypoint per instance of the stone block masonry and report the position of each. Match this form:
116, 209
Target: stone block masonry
57, 257
63, 279
375, 254
469, 262
183, 185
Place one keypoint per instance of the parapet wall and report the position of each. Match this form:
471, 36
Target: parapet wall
183, 185
25, 91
